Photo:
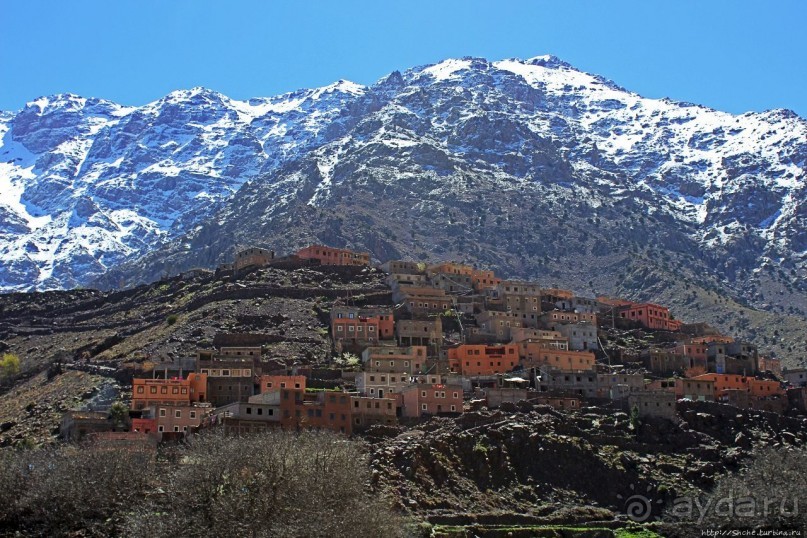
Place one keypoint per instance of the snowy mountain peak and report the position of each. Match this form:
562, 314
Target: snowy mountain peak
547, 60
88, 184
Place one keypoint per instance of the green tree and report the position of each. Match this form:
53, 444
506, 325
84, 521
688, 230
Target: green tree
119, 414
9, 366
634, 418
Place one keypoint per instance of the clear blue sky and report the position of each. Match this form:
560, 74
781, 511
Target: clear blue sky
732, 55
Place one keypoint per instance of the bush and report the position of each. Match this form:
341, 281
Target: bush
9, 366
171, 319
276, 483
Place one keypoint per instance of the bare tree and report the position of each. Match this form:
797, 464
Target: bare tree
771, 492
70, 488
272, 484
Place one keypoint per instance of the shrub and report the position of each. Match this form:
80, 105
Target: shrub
171, 319
9, 366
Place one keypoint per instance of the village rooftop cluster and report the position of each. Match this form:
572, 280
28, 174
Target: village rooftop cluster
454, 338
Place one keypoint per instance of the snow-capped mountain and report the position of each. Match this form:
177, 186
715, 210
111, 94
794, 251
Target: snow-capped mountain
86, 184
90, 187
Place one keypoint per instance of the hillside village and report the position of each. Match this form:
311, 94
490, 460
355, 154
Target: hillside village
445, 339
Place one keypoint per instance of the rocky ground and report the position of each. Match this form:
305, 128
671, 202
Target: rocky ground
71, 343
532, 466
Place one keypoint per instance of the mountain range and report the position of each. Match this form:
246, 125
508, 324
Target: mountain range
531, 167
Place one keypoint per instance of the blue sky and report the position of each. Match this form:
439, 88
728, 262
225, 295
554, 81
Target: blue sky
730, 55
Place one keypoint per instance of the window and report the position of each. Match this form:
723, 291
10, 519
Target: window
140, 390
175, 390
423, 394
193, 414
160, 428
178, 414
424, 407
162, 412
249, 410
176, 428
339, 328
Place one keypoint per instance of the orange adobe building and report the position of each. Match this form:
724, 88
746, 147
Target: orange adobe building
696, 351
651, 316
535, 354
756, 388
481, 360
269, 383
147, 392
334, 256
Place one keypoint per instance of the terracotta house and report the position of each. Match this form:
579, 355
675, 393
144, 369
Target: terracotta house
483, 280
482, 360
770, 364
533, 355
650, 316
697, 352
334, 256
756, 388
147, 392
431, 399
182, 419
273, 383
356, 325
